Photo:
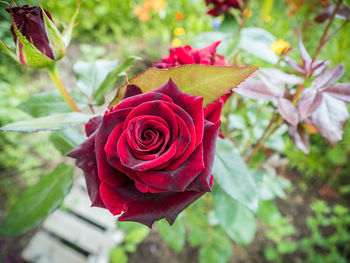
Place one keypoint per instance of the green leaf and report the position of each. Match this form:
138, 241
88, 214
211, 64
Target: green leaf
210, 82
174, 235
118, 255
268, 212
232, 175
66, 140
38, 202
237, 221
257, 42
218, 249
270, 186
134, 232
91, 74
50, 102
8, 51
113, 77
68, 31
50, 123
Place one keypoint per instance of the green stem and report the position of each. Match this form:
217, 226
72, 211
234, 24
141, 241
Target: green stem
53, 73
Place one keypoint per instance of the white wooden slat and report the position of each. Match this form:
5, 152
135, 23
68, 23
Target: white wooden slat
45, 249
81, 233
79, 202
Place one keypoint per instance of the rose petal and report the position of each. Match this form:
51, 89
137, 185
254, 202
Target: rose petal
92, 125
145, 208
191, 104
203, 181
86, 160
178, 179
106, 172
131, 90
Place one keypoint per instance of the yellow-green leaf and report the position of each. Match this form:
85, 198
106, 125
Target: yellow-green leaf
209, 82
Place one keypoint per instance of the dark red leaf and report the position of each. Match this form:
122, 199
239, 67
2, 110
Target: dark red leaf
294, 64
256, 89
340, 91
343, 13
288, 111
300, 138
330, 118
304, 55
309, 102
278, 77
328, 77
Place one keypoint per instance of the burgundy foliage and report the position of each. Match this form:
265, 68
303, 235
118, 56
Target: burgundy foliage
30, 23
342, 13
150, 156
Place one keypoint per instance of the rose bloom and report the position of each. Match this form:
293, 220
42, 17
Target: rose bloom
219, 7
151, 155
187, 55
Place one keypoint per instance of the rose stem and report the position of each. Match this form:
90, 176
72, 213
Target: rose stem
53, 73
323, 39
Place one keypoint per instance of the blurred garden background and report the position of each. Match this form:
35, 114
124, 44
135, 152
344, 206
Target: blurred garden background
309, 221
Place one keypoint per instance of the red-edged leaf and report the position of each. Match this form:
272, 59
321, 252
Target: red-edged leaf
288, 111
328, 77
300, 138
343, 13
340, 91
309, 102
319, 66
330, 118
278, 77
294, 64
307, 60
255, 89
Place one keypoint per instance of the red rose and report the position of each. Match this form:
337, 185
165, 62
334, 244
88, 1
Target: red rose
151, 155
186, 55
222, 6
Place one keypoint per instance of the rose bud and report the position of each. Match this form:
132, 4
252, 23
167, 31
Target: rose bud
151, 155
38, 41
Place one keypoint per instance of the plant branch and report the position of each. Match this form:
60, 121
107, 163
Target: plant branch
323, 39
53, 73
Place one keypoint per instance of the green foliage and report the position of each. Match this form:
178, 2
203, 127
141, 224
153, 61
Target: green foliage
50, 102
49, 123
134, 234
37, 202
237, 221
175, 235
233, 176
66, 140
217, 248
330, 234
118, 255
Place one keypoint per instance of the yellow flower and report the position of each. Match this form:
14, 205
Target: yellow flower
279, 46
179, 31
176, 42
267, 19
